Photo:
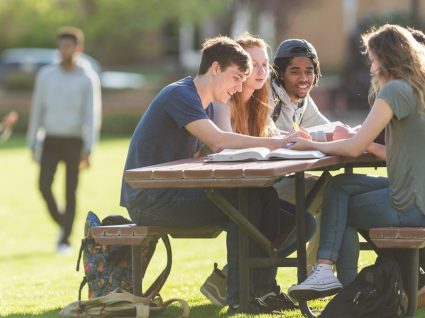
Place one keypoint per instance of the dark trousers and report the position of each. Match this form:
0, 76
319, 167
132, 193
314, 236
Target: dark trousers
191, 208
68, 150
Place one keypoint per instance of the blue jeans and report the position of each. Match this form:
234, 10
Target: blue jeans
357, 202
191, 208
288, 216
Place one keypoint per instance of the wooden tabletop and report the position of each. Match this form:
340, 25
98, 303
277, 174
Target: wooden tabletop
198, 173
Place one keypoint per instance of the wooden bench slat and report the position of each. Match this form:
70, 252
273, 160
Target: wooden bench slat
131, 234
397, 243
397, 232
398, 237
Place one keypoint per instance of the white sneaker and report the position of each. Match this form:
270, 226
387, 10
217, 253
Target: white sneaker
321, 282
64, 249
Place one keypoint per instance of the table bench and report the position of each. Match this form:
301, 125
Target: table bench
410, 240
134, 236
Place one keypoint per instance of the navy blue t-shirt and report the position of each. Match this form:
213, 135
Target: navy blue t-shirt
160, 135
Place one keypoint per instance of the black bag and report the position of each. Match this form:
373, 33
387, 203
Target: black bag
377, 291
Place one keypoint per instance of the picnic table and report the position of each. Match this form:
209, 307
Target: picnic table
199, 173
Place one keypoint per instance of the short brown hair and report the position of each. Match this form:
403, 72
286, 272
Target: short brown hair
70, 32
226, 52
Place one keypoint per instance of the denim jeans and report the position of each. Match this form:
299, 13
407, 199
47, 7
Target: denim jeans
288, 215
357, 202
191, 208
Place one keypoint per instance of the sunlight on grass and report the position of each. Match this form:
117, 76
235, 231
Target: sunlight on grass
36, 282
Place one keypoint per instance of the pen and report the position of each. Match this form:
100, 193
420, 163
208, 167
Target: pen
295, 126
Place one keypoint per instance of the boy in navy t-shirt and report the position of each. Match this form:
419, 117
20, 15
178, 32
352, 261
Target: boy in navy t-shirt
176, 123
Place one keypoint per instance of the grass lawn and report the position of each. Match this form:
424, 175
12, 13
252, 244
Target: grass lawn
36, 282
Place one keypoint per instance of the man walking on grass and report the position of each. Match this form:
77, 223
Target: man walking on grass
67, 109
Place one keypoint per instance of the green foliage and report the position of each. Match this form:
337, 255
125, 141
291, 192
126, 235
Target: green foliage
119, 123
111, 26
113, 123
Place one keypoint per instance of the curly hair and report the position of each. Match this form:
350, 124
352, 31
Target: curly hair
252, 118
400, 56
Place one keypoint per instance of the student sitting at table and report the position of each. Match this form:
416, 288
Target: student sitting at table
248, 112
173, 127
296, 71
354, 201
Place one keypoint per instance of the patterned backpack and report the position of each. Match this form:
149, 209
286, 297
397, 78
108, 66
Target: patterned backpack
109, 267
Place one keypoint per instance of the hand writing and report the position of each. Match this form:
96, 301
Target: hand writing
299, 143
302, 133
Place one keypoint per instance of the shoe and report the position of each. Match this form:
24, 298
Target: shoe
256, 306
215, 287
321, 282
63, 249
279, 302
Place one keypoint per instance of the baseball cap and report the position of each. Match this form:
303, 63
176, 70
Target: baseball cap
295, 48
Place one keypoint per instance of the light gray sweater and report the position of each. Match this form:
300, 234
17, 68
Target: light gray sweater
307, 115
66, 104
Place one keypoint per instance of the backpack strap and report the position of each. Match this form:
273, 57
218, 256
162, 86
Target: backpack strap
80, 253
183, 304
142, 311
159, 282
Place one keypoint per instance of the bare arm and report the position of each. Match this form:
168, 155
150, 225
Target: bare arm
222, 117
379, 116
378, 150
217, 140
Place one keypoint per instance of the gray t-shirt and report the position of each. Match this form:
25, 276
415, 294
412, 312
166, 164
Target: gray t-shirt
160, 136
404, 139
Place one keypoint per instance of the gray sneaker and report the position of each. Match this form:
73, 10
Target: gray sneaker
321, 282
215, 287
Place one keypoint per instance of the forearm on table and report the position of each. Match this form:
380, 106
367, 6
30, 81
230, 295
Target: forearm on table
378, 150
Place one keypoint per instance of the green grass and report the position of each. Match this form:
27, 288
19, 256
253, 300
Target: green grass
36, 282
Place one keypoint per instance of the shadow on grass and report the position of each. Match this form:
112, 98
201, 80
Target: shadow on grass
170, 312
54, 313
26, 256
174, 310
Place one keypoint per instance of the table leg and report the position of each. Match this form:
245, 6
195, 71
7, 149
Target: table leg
238, 217
244, 270
300, 213
246, 230
301, 251
136, 264
412, 281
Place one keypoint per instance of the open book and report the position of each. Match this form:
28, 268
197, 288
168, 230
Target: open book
262, 153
